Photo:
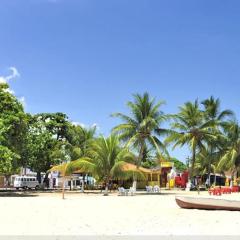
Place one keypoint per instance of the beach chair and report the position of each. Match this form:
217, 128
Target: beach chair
132, 191
156, 189
122, 192
215, 191
149, 189
235, 189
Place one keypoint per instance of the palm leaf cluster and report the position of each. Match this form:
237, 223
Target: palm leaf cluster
141, 129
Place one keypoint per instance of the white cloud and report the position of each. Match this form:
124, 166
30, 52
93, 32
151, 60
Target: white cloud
22, 101
96, 126
9, 91
13, 75
77, 124
85, 125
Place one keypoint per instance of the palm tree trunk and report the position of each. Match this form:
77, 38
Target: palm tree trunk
63, 188
209, 167
191, 168
192, 165
106, 188
134, 185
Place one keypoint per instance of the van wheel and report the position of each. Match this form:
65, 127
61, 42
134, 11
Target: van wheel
37, 187
17, 188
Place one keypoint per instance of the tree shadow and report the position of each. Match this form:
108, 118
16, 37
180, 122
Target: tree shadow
17, 194
155, 194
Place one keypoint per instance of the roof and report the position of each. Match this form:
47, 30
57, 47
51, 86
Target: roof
166, 164
132, 167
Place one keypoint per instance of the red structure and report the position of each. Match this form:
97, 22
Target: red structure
181, 180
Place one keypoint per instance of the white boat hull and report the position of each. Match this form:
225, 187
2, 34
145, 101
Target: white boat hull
207, 203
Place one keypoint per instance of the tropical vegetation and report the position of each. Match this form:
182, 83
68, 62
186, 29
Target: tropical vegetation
144, 137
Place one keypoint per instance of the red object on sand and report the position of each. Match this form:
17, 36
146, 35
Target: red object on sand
181, 181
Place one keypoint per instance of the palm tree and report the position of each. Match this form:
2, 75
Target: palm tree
105, 161
213, 113
231, 156
202, 162
190, 129
142, 127
80, 137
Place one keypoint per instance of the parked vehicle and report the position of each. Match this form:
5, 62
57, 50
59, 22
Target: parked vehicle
26, 182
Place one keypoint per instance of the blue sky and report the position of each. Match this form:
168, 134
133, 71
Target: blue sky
87, 57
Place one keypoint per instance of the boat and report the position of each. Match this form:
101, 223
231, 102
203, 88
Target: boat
207, 203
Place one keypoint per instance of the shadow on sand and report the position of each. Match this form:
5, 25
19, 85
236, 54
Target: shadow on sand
17, 194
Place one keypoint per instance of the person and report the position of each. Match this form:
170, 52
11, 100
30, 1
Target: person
207, 183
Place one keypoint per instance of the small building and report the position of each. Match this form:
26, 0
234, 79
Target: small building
155, 176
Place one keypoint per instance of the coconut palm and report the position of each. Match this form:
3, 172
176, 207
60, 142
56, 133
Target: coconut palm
231, 156
142, 127
106, 161
190, 128
213, 113
202, 162
80, 137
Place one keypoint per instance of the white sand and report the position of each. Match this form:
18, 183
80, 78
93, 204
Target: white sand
81, 214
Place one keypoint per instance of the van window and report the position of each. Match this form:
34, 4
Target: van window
24, 179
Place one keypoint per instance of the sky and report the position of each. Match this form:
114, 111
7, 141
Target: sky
87, 57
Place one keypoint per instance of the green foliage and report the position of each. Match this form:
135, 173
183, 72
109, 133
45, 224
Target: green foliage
55, 123
46, 139
231, 152
8, 161
80, 138
105, 161
13, 129
141, 129
190, 128
180, 166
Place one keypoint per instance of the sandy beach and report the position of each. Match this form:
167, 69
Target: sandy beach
94, 214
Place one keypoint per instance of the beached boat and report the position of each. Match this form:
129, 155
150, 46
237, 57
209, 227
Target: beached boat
207, 203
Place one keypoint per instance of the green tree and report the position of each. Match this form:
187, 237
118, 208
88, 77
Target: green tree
105, 161
180, 166
80, 137
39, 147
231, 153
142, 127
55, 123
190, 128
213, 113
13, 129
8, 161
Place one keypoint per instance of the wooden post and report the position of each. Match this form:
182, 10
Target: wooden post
63, 183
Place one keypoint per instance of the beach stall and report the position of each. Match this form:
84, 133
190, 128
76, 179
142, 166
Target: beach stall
157, 176
166, 168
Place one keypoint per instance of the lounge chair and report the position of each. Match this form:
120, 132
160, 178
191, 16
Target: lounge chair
132, 191
156, 189
149, 189
122, 191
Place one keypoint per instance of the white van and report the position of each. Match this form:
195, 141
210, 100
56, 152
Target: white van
26, 182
